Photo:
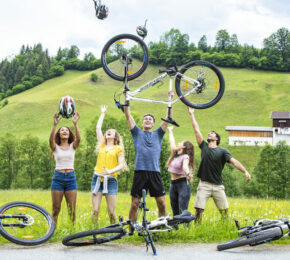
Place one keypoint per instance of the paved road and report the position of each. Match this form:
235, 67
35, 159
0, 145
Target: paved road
126, 251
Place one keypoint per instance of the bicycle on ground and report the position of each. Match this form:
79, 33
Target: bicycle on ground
146, 229
25, 223
199, 84
263, 231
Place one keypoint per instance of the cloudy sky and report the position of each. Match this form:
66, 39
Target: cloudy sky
62, 23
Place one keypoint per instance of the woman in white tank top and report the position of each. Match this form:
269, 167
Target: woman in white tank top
63, 145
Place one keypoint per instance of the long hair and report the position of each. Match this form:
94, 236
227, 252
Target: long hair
117, 141
189, 150
71, 137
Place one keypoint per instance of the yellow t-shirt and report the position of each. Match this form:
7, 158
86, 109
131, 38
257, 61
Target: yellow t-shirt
108, 158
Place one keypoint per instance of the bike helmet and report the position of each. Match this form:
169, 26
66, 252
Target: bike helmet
141, 31
66, 107
102, 12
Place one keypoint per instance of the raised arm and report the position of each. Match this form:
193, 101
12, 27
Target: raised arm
171, 139
130, 119
77, 141
52, 133
240, 167
195, 126
168, 112
100, 123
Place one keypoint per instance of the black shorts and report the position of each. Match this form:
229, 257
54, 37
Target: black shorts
149, 181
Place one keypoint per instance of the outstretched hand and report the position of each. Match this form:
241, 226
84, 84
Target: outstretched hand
75, 118
56, 119
104, 109
248, 176
170, 128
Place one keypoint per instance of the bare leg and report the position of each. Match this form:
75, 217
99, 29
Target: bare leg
133, 209
71, 200
161, 205
56, 196
96, 201
111, 205
198, 215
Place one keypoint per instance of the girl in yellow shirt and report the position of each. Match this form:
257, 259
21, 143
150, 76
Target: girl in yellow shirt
110, 162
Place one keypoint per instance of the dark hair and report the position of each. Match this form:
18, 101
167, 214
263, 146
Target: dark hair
189, 150
71, 137
151, 116
218, 137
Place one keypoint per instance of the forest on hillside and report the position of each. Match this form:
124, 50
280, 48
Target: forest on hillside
33, 65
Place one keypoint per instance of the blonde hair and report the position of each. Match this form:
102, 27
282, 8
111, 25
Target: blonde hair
117, 141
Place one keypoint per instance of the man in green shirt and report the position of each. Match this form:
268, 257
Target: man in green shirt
213, 159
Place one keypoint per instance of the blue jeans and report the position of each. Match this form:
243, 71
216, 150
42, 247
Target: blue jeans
64, 181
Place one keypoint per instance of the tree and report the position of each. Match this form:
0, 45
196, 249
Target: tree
202, 44
279, 42
222, 40
73, 52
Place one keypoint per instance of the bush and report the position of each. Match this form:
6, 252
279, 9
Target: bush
56, 70
94, 77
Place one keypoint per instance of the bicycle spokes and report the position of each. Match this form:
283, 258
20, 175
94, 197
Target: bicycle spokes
199, 84
125, 50
25, 223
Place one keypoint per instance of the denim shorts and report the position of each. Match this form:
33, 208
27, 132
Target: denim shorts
112, 185
64, 181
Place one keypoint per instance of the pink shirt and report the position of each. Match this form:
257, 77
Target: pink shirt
176, 164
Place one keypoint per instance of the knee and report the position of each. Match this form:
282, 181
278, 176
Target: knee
161, 204
55, 211
134, 205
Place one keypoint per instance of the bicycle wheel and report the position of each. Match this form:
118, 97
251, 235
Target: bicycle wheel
96, 236
200, 85
28, 224
121, 46
257, 237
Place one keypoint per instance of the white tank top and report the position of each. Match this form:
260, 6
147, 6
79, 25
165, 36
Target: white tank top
64, 158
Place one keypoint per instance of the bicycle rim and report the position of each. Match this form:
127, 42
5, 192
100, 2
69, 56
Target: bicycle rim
252, 239
114, 51
96, 236
201, 84
34, 226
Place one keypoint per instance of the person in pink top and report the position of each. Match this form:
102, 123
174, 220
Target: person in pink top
181, 165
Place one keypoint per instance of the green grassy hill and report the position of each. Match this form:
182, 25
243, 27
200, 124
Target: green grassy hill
249, 98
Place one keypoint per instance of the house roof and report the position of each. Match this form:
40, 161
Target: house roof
280, 115
249, 128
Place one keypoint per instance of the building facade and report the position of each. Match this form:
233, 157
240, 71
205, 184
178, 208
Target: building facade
253, 135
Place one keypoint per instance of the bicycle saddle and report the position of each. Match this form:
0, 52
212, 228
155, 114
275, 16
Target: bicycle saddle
185, 216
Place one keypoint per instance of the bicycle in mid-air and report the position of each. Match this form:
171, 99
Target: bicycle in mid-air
198, 84
263, 231
147, 229
25, 223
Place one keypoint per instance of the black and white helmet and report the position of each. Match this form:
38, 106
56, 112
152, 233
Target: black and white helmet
102, 12
66, 107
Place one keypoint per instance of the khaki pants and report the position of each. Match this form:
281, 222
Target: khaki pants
205, 190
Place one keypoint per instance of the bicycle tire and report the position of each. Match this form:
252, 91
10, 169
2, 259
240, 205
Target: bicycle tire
28, 235
212, 84
115, 233
251, 239
112, 46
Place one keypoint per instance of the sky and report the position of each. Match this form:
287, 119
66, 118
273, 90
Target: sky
62, 23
